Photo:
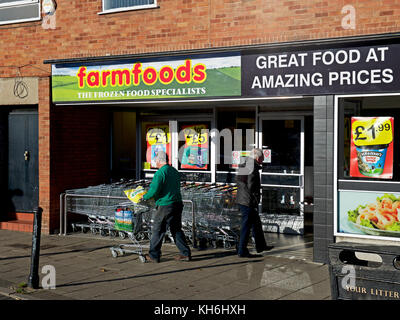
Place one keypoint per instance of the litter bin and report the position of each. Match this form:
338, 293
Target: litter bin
364, 271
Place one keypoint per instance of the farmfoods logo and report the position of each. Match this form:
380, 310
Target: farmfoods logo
149, 76
203, 76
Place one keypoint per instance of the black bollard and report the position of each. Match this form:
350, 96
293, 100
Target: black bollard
33, 281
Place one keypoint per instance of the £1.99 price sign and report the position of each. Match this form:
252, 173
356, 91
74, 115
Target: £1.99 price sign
371, 153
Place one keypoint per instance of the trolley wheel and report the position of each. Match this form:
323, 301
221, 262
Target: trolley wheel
84, 230
92, 230
227, 245
103, 232
142, 259
141, 236
122, 235
114, 253
113, 234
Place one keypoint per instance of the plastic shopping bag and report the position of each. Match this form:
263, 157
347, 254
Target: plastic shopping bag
135, 195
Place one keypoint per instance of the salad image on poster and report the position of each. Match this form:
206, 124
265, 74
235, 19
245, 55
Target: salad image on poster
369, 213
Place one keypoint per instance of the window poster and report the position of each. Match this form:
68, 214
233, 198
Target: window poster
371, 148
158, 139
195, 150
369, 213
239, 157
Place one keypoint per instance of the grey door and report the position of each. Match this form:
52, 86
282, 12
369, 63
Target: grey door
23, 182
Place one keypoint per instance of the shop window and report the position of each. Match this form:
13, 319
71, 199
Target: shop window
194, 146
124, 145
157, 137
368, 198
123, 5
243, 120
15, 11
369, 139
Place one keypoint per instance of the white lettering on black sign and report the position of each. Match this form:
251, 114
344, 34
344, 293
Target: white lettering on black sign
321, 71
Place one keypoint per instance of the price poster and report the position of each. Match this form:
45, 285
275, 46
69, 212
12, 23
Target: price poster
195, 150
371, 149
158, 139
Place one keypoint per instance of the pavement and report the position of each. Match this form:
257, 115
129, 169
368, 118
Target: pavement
81, 267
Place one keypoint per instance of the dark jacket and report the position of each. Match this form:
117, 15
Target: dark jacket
248, 182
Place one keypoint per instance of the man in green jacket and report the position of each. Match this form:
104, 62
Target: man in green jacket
165, 188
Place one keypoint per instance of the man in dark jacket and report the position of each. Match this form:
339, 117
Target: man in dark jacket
248, 198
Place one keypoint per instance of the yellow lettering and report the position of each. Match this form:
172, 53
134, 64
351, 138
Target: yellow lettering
363, 290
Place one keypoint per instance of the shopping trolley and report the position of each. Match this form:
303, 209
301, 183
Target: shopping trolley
210, 215
98, 203
217, 216
137, 220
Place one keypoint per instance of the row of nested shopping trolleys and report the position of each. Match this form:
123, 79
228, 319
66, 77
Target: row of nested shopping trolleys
210, 215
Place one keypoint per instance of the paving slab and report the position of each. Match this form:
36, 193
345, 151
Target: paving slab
86, 270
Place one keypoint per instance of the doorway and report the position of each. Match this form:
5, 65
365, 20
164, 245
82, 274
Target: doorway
283, 173
23, 169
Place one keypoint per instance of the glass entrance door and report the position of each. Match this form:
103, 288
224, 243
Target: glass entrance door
282, 176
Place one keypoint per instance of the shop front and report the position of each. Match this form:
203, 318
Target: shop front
208, 110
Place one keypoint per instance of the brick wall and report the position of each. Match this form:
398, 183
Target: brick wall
183, 24
80, 152
44, 150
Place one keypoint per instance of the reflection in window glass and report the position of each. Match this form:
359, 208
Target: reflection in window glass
231, 120
116, 4
282, 138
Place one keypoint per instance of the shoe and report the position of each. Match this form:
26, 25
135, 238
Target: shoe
249, 255
150, 259
267, 248
183, 258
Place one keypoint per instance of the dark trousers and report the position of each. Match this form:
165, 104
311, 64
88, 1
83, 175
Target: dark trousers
169, 216
250, 221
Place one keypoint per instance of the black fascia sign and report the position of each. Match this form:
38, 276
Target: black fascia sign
367, 69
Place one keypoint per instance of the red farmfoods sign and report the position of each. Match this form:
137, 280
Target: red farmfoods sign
182, 77
184, 74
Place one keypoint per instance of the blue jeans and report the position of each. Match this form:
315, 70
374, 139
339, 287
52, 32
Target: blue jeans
169, 216
250, 221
